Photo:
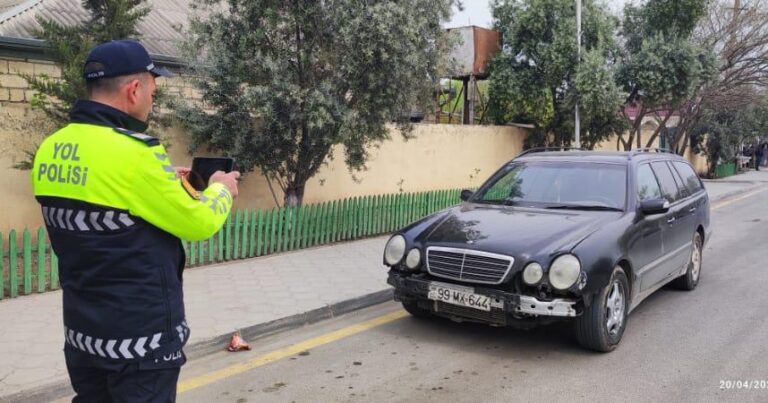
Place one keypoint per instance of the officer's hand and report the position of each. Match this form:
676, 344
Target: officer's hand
228, 179
183, 172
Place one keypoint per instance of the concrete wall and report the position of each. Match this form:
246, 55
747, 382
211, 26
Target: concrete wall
20, 130
440, 157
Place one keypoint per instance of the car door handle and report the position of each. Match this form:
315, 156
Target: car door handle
671, 220
692, 209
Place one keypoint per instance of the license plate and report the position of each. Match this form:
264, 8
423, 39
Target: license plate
463, 296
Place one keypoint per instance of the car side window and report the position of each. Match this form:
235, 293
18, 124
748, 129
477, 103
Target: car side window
647, 186
678, 181
691, 180
666, 181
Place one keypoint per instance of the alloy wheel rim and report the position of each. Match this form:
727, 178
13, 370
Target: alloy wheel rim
614, 312
696, 260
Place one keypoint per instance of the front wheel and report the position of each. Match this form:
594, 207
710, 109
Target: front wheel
602, 324
690, 279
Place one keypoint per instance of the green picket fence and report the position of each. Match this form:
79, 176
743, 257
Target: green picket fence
28, 265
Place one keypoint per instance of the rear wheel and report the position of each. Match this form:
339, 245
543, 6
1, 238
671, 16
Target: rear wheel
413, 309
690, 279
602, 324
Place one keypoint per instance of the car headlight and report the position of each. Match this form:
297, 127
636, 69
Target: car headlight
564, 272
413, 259
395, 250
533, 273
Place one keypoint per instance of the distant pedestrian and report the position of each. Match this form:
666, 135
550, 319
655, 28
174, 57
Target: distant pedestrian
758, 155
765, 154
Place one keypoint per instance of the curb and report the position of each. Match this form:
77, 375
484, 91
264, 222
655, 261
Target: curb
60, 390
734, 193
219, 343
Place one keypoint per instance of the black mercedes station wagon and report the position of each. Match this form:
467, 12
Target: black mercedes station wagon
566, 235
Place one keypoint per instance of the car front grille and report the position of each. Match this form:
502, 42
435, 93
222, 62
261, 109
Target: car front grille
493, 316
468, 265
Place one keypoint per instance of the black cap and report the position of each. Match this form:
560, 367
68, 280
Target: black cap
119, 58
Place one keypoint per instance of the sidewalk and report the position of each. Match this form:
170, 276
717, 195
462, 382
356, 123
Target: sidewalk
256, 295
219, 300
725, 187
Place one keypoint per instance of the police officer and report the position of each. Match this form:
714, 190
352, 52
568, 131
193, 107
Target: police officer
116, 210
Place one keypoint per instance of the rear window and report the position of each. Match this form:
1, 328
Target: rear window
554, 183
690, 179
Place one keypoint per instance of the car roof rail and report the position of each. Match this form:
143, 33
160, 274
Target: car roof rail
637, 151
545, 149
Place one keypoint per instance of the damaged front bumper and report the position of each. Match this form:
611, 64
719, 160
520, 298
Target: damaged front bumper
506, 308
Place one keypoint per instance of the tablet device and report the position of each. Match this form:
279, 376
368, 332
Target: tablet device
204, 167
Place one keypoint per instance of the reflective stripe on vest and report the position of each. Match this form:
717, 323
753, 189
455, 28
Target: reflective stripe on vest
135, 347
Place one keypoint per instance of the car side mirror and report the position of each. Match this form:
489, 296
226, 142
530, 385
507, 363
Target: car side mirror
654, 206
466, 194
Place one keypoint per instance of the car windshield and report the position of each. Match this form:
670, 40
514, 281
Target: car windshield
576, 185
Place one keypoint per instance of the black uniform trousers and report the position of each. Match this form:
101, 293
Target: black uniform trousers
95, 379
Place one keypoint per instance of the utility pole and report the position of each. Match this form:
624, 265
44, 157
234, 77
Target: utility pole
577, 141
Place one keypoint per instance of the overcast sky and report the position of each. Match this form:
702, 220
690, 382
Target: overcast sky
478, 12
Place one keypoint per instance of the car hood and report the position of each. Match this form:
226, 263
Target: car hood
515, 231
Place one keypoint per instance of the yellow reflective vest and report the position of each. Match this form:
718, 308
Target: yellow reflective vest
127, 171
115, 211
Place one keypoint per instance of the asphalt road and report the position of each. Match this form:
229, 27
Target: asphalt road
679, 346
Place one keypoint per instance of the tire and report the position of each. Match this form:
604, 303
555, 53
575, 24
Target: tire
602, 324
690, 279
415, 311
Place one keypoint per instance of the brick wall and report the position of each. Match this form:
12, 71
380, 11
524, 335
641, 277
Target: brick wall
15, 89
179, 86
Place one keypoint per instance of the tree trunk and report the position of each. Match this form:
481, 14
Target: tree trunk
685, 145
294, 194
630, 141
626, 145
635, 132
621, 144
656, 132
690, 120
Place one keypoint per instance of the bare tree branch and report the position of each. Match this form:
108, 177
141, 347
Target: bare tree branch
739, 38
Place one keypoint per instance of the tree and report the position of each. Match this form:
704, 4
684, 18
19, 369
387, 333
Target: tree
719, 133
599, 98
738, 34
538, 77
283, 82
69, 46
662, 68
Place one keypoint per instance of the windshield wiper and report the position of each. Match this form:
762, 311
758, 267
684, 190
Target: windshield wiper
595, 207
493, 202
505, 202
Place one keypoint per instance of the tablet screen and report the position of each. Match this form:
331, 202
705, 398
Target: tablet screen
204, 167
